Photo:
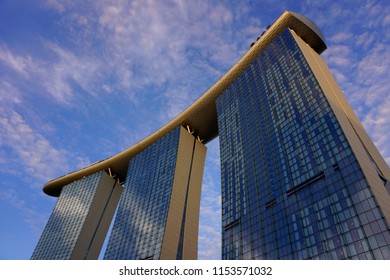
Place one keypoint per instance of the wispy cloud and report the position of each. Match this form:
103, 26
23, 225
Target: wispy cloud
374, 67
40, 159
54, 77
35, 219
358, 55
27, 151
374, 91
15, 62
378, 122
141, 45
341, 37
210, 211
340, 56
69, 70
365, 40
9, 95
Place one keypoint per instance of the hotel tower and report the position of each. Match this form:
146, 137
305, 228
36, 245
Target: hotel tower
300, 177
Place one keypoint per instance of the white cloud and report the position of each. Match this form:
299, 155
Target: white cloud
365, 39
386, 20
55, 78
335, 10
57, 5
39, 158
68, 69
147, 47
210, 210
15, 62
340, 56
358, 55
341, 37
374, 66
35, 219
210, 243
373, 80
9, 95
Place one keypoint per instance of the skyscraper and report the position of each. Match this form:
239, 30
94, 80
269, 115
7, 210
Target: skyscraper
301, 179
297, 181
158, 213
79, 223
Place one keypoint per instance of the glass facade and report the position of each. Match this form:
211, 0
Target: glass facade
291, 186
63, 229
141, 217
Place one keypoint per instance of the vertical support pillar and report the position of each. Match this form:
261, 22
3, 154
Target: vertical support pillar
185, 200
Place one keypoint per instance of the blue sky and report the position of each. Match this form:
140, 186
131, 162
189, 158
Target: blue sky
83, 80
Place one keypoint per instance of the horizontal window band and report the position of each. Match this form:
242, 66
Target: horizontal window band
231, 225
305, 184
271, 203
